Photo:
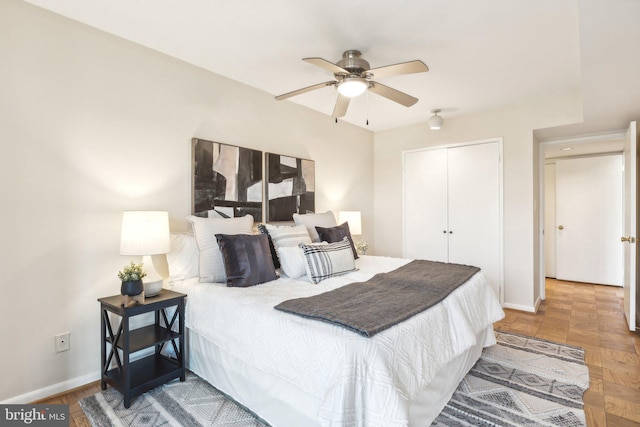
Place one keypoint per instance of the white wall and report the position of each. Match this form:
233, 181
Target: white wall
515, 126
91, 125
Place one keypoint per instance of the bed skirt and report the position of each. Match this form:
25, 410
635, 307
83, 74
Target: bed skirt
282, 404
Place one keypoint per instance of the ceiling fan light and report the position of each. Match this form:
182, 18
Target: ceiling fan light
435, 122
353, 86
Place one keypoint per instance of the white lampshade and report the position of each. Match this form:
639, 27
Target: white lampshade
145, 233
435, 122
354, 220
353, 86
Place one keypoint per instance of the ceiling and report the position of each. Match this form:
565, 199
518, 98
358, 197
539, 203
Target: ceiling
581, 147
482, 55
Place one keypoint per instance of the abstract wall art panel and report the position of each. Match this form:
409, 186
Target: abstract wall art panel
226, 180
290, 187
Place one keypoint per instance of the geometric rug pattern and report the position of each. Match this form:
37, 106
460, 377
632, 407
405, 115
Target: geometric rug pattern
521, 381
193, 402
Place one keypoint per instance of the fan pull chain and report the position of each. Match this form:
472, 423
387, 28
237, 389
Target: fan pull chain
367, 101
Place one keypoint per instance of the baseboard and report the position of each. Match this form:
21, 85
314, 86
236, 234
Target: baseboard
537, 305
526, 308
53, 389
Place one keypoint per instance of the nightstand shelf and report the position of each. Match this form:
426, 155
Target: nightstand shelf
134, 377
146, 373
146, 336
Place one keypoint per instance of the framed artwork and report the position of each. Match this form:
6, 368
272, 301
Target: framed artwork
290, 186
226, 180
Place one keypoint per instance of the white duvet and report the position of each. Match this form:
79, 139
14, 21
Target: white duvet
360, 381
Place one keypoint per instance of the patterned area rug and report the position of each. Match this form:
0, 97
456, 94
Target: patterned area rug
522, 381
193, 402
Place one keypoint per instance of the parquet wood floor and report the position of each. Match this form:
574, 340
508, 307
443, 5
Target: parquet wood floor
591, 317
585, 315
71, 397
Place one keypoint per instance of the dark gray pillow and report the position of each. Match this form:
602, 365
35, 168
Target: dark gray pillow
247, 259
336, 234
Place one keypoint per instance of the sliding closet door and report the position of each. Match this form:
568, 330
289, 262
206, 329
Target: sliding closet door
474, 208
425, 205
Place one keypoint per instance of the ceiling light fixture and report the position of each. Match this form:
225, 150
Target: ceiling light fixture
435, 122
352, 86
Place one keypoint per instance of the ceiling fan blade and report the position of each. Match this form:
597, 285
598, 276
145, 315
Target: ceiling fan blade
341, 106
305, 89
323, 63
410, 67
392, 94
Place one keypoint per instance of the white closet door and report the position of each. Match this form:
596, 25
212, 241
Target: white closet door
474, 208
425, 205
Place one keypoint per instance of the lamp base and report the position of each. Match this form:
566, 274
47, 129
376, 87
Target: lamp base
152, 281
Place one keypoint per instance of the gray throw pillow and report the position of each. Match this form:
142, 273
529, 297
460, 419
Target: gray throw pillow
247, 259
336, 234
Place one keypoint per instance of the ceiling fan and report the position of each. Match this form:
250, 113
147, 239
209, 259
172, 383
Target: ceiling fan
353, 76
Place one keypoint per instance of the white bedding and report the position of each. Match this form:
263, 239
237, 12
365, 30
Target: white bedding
357, 381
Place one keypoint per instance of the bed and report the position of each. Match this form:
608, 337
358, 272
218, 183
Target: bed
294, 371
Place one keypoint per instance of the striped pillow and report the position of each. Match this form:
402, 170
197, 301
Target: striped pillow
325, 261
285, 236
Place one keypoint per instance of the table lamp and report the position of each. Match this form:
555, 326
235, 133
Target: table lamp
354, 218
146, 233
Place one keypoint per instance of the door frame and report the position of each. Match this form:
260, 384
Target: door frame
543, 145
499, 141
630, 231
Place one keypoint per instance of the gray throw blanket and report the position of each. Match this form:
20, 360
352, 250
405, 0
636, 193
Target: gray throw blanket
384, 300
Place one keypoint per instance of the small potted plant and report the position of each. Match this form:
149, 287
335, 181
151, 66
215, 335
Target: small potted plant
131, 276
362, 247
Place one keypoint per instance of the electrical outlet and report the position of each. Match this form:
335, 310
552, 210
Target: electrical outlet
63, 342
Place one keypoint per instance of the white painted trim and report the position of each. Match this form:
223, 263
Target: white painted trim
554, 160
453, 145
587, 138
541, 226
53, 389
519, 307
537, 304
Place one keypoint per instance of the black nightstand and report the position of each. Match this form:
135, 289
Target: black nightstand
133, 378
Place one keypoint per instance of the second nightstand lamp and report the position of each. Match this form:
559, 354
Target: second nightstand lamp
146, 233
354, 218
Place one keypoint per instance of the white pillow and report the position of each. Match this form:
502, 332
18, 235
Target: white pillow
325, 261
184, 257
286, 235
310, 221
292, 261
211, 263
